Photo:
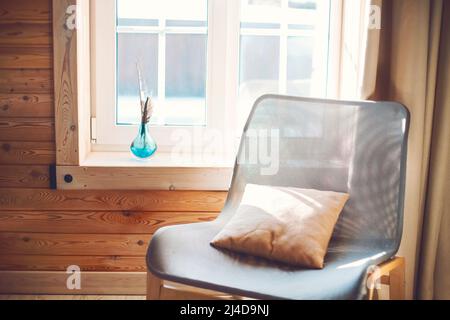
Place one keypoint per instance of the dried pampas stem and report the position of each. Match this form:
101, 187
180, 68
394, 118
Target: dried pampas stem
147, 105
147, 111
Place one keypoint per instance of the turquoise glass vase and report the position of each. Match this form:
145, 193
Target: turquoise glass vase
143, 146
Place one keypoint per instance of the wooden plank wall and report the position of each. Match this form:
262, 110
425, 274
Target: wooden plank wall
43, 231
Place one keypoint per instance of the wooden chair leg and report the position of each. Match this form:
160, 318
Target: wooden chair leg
397, 282
376, 294
154, 285
391, 272
373, 294
370, 294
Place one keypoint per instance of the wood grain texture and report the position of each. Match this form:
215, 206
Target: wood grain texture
36, 11
18, 34
73, 244
16, 58
92, 283
60, 263
144, 178
27, 152
42, 231
76, 200
22, 105
154, 285
26, 129
26, 81
65, 86
12, 176
98, 222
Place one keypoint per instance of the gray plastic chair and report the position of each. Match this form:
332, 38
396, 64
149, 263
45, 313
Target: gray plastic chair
353, 147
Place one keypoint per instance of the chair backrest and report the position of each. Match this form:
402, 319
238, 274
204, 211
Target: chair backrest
353, 147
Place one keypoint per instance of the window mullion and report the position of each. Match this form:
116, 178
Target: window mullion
283, 64
233, 64
282, 78
161, 70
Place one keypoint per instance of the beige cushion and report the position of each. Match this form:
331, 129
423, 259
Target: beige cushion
289, 225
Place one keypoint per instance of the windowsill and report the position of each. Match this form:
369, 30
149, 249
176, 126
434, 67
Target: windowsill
158, 160
122, 171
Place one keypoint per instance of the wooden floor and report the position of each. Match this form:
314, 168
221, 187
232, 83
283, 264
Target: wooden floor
68, 297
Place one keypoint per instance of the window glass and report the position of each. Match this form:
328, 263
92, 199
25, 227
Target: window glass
135, 46
299, 65
280, 48
168, 40
259, 63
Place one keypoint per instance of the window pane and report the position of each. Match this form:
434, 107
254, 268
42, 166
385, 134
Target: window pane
274, 3
303, 4
259, 67
185, 78
133, 48
259, 58
176, 32
284, 49
299, 65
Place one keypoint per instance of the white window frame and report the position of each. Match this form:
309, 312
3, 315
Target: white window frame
111, 137
222, 85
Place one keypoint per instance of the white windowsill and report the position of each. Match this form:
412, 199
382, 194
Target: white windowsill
158, 160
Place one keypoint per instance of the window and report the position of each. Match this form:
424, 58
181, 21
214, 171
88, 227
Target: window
204, 63
168, 39
283, 49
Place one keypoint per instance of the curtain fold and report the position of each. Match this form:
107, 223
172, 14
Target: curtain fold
411, 66
433, 275
370, 52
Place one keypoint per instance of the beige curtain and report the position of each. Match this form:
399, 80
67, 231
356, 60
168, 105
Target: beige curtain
412, 66
433, 276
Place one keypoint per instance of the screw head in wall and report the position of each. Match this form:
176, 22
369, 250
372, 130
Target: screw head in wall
68, 178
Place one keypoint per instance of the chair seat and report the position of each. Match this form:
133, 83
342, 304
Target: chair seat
183, 254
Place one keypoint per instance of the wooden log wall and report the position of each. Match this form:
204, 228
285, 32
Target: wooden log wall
43, 231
